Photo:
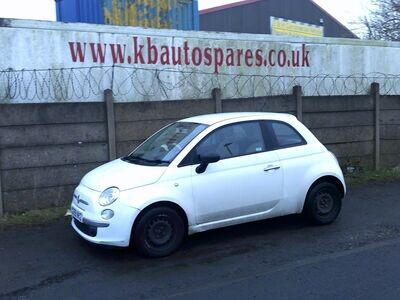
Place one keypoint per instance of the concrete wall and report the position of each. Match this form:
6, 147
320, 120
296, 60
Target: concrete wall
46, 148
139, 64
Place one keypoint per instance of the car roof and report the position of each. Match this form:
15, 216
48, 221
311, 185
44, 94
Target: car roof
211, 119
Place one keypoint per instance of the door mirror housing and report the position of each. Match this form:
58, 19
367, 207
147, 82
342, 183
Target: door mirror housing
205, 160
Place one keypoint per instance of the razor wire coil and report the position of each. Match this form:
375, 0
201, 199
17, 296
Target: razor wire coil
131, 83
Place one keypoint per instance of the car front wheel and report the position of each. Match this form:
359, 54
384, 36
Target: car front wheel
323, 204
159, 232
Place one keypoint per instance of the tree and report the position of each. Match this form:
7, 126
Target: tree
384, 20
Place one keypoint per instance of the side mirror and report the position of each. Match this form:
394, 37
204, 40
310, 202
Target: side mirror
205, 160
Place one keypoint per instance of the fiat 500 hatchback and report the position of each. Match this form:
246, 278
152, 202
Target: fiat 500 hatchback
207, 172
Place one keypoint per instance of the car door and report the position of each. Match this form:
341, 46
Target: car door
296, 157
246, 180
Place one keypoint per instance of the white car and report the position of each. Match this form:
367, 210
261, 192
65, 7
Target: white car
207, 172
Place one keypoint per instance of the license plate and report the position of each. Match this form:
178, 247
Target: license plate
77, 215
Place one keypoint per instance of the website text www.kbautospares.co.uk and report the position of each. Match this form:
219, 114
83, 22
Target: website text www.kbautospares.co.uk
147, 52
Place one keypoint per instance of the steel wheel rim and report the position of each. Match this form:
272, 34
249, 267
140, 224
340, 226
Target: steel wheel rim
325, 203
159, 231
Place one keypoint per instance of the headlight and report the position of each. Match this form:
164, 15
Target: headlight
109, 196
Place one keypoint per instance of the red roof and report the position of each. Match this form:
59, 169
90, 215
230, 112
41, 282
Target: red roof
230, 5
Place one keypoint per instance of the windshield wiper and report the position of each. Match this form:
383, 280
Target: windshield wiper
131, 158
158, 161
151, 161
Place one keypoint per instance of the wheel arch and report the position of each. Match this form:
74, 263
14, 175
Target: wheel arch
168, 204
328, 178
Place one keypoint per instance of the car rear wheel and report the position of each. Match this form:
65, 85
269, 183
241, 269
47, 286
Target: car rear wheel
159, 232
323, 204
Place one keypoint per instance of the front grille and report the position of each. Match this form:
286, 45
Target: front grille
86, 229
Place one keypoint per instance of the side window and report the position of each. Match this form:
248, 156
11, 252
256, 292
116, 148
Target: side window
286, 135
233, 140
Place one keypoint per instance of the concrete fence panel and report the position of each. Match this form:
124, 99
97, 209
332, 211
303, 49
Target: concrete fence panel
45, 149
390, 130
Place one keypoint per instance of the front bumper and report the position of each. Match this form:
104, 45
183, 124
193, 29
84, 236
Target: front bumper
114, 232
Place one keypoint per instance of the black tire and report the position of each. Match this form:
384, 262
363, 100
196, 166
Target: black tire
323, 204
159, 232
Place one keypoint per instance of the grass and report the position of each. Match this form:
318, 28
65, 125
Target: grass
32, 218
372, 176
46, 216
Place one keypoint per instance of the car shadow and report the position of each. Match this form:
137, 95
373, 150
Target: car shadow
235, 239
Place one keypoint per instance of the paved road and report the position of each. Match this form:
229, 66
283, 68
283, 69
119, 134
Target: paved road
357, 257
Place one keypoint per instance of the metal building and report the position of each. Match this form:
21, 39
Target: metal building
176, 14
254, 16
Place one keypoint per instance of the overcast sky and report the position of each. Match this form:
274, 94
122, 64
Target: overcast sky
346, 11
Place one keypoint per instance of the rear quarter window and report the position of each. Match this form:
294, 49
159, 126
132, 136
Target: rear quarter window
285, 135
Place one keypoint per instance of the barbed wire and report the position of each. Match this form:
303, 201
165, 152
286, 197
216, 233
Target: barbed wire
141, 84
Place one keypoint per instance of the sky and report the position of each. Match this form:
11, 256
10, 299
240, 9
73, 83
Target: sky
346, 11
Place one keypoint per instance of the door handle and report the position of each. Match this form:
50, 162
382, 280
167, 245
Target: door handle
271, 168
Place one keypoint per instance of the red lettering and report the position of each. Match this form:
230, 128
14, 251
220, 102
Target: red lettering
219, 59
207, 56
270, 56
118, 56
164, 58
296, 58
149, 52
77, 52
197, 56
230, 58
176, 55
137, 51
152, 53
259, 57
248, 58
239, 57
282, 58
186, 49
305, 61
100, 54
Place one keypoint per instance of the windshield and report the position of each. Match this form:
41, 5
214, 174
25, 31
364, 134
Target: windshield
162, 148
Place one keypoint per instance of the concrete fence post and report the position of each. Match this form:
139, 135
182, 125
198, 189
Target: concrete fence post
298, 94
1, 198
1, 189
216, 95
375, 93
109, 99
